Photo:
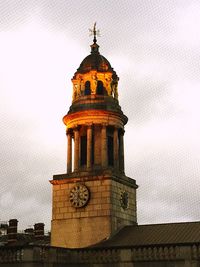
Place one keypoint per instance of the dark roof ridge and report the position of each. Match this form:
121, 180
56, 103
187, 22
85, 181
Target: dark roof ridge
167, 223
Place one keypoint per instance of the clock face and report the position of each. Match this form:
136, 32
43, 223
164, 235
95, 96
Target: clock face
124, 200
79, 196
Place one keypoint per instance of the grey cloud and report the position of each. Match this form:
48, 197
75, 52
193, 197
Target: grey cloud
146, 99
14, 13
26, 168
169, 186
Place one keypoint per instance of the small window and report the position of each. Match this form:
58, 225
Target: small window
100, 89
87, 88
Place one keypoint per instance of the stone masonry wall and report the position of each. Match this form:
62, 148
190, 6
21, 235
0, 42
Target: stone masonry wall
122, 216
81, 227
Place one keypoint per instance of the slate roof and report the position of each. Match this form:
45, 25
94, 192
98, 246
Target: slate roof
154, 234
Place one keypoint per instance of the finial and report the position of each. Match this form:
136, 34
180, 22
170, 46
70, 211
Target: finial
94, 32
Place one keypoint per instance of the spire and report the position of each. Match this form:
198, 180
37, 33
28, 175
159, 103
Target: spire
95, 33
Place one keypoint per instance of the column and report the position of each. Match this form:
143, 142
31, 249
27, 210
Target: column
76, 149
121, 150
104, 154
89, 146
69, 151
116, 148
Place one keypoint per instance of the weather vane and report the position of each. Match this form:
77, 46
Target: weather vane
94, 32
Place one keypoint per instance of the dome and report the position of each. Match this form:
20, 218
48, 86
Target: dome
95, 61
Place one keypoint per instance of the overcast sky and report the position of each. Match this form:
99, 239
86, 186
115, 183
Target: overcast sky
154, 46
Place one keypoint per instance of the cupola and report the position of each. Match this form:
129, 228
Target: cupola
95, 120
95, 76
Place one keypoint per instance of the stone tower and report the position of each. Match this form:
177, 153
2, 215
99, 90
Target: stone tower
94, 198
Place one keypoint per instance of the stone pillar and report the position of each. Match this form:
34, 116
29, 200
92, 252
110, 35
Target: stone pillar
89, 146
121, 151
69, 151
116, 148
104, 154
76, 149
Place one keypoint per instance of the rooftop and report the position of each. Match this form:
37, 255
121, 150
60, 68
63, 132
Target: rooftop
154, 234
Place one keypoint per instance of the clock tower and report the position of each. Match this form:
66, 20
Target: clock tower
94, 198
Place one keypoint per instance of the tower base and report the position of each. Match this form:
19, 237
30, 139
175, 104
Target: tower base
112, 205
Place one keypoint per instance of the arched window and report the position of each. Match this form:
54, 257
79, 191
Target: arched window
100, 89
87, 88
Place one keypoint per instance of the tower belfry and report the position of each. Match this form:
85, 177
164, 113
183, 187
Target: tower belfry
94, 198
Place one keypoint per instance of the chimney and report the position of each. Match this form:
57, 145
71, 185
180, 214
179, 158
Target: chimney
12, 231
39, 231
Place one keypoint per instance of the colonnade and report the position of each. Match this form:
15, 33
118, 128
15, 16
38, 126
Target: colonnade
118, 147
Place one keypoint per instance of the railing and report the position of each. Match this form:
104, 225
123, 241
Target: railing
98, 255
8, 254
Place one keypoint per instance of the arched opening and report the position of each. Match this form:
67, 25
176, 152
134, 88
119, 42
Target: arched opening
100, 88
110, 150
87, 88
83, 154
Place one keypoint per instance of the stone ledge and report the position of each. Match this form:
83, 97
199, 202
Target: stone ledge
93, 176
